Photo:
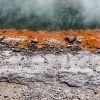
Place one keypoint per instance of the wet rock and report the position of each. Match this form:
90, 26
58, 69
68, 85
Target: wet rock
70, 39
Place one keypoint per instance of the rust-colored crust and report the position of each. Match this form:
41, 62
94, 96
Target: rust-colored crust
91, 39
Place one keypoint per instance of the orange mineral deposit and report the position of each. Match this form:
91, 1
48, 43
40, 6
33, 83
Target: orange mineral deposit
85, 39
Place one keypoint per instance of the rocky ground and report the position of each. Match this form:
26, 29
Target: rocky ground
52, 72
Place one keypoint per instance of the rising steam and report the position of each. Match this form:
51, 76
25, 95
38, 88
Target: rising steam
50, 14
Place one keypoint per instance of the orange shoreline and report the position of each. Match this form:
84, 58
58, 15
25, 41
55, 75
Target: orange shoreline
91, 39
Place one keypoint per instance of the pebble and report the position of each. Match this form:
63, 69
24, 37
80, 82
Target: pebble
70, 39
79, 39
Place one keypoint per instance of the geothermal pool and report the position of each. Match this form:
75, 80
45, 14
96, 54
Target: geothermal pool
50, 15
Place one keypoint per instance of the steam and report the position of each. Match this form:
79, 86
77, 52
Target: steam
49, 14
91, 12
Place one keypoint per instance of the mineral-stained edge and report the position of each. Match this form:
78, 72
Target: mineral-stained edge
85, 39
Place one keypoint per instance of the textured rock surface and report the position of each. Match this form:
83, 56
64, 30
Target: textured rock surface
13, 91
73, 69
74, 75
42, 66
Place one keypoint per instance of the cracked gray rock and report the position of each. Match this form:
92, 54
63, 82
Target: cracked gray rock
49, 76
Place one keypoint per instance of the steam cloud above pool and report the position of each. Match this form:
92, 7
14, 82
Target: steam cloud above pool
50, 14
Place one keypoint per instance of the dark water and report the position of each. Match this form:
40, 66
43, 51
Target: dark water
64, 17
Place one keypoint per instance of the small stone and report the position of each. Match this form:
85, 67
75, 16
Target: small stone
70, 39
16, 49
1, 38
4, 30
6, 96
98, 51
35, 40
79, 39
